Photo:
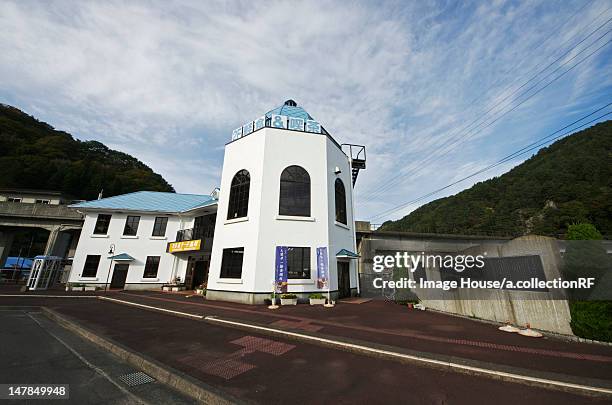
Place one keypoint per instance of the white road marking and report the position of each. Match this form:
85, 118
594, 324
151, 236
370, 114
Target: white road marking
152, 307
92, 366
517, 377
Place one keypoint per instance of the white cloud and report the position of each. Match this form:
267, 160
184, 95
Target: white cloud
167, 82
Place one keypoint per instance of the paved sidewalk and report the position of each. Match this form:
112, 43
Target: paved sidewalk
262, 369
35, 350
390, 324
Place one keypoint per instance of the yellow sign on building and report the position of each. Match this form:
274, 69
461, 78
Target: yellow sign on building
184, 246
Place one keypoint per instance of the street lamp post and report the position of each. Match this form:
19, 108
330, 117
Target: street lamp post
111, 251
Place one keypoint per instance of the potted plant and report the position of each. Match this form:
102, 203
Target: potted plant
78, 287
200, 290
317, 299
89, 288
166, 287
288, 299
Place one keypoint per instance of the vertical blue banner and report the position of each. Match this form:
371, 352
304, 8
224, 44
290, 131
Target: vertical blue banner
280, 276
322, 267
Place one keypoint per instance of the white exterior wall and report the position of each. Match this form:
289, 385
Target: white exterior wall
139, 247
265, 154
340, 236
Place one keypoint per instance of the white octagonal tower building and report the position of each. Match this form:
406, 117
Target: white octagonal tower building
286, 182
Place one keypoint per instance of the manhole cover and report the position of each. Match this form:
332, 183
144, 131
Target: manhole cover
138, 378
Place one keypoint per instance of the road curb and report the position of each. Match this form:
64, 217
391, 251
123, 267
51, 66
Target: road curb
384, 352
176, 379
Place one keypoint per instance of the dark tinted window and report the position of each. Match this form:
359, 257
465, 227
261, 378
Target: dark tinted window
231, 264
294, 192
91, 266
298, 262
204, 226
102, 224
239, 195
340, 201
131, 225
151, 267
159, 228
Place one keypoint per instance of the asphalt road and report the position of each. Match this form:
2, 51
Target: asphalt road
261, 369
34, 350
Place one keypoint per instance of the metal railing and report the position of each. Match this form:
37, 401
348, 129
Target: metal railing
195, 233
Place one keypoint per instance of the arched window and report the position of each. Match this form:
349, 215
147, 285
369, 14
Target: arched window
294, 192
238, 206
340, 202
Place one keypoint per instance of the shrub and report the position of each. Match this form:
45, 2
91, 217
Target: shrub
316, 296
288, 296
592, 319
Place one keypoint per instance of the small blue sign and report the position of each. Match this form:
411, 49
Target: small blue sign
296, 124
260, 123
313, 126
280, 276
247, 129
236, 133
279, 121
322, 267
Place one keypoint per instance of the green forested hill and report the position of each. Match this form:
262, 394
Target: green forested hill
569, 181
34, 155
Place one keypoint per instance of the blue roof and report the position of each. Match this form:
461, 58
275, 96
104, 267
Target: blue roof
290, 109
347, 253
122, 257
150, 201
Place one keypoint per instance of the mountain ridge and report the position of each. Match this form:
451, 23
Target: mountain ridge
566, 182
37, 156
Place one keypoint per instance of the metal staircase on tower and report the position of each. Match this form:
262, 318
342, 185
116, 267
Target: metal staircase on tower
357, 155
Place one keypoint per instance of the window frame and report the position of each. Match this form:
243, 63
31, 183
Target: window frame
135, 222
87, 266
239, 195
305, 257
99, 221
289, 194
151, 261
158, 227
228, 269
341, 212
14, 199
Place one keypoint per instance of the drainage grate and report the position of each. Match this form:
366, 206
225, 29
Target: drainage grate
138, 378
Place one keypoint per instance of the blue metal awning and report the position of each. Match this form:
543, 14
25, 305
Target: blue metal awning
122, 257
347, 254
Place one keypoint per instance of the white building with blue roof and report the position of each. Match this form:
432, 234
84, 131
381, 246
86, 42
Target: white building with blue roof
145, 240
286, 186
283, 221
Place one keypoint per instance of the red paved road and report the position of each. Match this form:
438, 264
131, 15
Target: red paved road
424, 331
266, 370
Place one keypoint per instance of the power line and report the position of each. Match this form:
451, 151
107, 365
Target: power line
452, 140
520, 152
445, 147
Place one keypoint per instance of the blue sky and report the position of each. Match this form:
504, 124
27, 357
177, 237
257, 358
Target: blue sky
168, 81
